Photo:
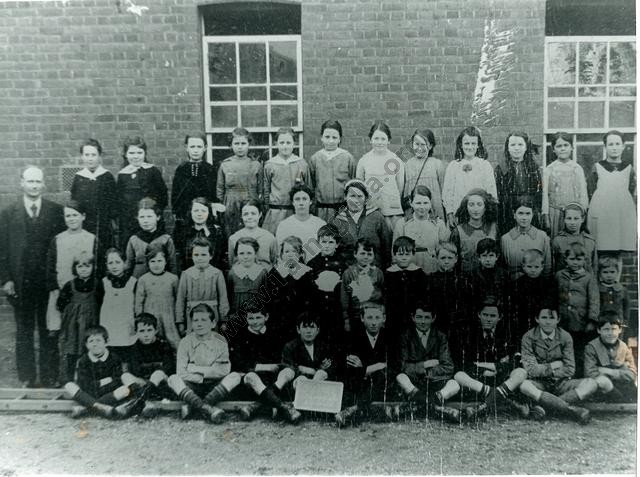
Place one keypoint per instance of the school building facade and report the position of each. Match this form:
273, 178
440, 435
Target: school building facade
158, 68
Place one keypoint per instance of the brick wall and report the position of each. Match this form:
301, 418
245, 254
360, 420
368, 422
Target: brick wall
90, 68
414, 63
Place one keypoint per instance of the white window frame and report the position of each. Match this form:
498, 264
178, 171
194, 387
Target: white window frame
251, 39
576, 99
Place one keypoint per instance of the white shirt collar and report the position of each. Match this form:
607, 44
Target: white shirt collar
132, 169
28, 202
309, 349
550, 336
296, 273
102, 358
261, 331
279, 160
355, 216
252, 272
331, 154
92, 175
204, 227
396, 268
372, 339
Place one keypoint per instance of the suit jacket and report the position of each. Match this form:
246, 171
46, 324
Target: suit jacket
471, 344
295, 354
13, 237
383, 352
537, 354
248, 349
597, 355
413, 355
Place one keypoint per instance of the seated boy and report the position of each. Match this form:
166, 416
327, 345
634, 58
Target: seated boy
547, 357
203, 375
98, 387
488, 361
328, 267
404, 282
426, 367
255, 353
361, 282
488, 279
370, 364
526, 293
151, 361
609, 361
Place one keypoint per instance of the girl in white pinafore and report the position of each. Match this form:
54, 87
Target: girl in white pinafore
612, 211
116, 314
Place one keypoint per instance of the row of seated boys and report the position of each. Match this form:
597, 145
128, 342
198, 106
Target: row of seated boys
372, 367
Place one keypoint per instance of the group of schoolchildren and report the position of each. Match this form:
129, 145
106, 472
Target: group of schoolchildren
225, 308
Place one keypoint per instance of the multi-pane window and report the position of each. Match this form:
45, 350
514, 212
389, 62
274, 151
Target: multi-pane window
253, 82
590, 88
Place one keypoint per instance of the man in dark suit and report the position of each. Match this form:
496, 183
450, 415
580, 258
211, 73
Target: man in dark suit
26, 229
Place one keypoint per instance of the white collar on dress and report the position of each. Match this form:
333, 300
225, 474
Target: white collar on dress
102, 358
132, 169
252, 272
279, 160
92, 175
296, 273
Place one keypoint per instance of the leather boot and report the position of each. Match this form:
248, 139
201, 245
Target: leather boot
270, 398
448, 414
345, 415
192, 401
548, 400
247, 412
133, 405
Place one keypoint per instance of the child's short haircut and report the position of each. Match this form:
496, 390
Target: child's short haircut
254, 203
371, 304
448, 246
153, 250
607, 262
297, 187
531, 255
135, 141
96, 330
404, 244
295, 242
421, 190
523, 201
148, 203
329, 230
146, 319
253, 243
380, 125
489, 300
94, 143
240, 132
196, 135
75, 205
575, 248
487, 245
364, 244
307, 318
116, 251
254, 308
426, 306
200, 242
284, 130
82, 257
202, 308
610, 317
331, 124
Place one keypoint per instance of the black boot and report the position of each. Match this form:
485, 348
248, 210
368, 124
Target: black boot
135, 404
212, 412
247, 412
548, 400
192, 401
270, 398
446, 413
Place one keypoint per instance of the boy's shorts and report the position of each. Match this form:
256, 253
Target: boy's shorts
556, 387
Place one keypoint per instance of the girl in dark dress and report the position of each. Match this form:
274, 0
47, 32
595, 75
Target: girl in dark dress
136, 180
518, 177
94, 188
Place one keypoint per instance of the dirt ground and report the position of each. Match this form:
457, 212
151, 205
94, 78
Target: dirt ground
54, 443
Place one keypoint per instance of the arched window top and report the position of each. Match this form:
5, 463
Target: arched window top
251, 18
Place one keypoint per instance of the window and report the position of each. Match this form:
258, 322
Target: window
590, 74
590, 88
253, 79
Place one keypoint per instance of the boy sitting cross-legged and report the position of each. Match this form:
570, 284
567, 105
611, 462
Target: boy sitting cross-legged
370, 364
98, 387
151, 360
609, 361
426, 366
488, 363
203, 375
309, 356
256, 354
547, 356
